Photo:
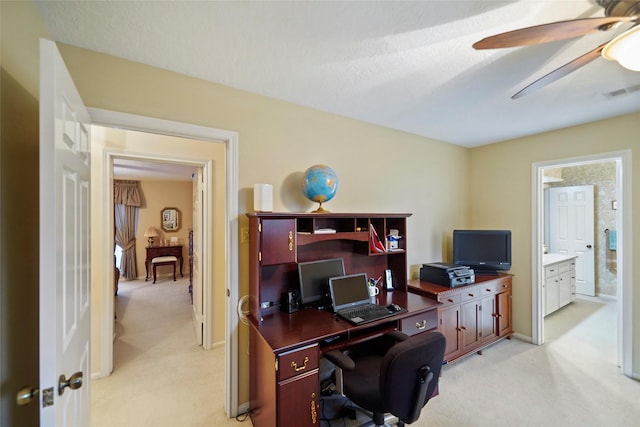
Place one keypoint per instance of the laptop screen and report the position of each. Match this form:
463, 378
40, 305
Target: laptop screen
348, 291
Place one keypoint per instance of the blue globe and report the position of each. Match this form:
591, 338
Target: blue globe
319, 184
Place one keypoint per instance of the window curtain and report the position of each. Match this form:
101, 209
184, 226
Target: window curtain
126, 203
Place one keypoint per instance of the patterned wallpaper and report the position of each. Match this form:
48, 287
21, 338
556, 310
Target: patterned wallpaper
603, 177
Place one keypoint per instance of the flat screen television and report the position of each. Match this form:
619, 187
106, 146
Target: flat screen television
314, 279
486, 251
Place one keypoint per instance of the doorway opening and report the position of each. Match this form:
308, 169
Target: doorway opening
622, 220
222, 200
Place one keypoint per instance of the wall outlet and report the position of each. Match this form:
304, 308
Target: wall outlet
244, 234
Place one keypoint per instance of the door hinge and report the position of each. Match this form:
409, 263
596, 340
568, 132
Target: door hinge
260, 228
260, 256
276, 365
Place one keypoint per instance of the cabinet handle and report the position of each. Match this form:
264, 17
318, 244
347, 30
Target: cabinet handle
450, 300
461, 328
471, 295
290, 240
295, 367
314, 414
488, 290
421, 325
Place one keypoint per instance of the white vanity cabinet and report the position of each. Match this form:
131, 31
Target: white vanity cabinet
559, 281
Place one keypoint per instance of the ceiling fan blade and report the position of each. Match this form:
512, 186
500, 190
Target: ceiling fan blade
559, 73
551, 32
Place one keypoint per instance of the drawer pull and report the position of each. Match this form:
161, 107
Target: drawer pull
488, 290
421, 325
295, 367
450, 300
290, 240
471, 295
314, 414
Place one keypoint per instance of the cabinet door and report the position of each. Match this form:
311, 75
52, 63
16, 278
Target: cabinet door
503, 301
298, 401
450, 328
564, 289
552, 299
471, 336
278, 241
488, 318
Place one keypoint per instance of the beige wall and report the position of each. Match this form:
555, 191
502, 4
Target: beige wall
19, 28
158, 195
444, 186
500, 195
380, 170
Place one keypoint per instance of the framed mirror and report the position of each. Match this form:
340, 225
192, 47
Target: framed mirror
170, 219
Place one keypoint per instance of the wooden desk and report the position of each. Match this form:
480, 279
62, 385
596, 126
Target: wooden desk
157, 251
285, 349
289, 395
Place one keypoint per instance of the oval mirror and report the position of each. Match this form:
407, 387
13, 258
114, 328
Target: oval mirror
170, 219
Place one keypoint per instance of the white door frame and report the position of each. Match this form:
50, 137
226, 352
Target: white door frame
625, 256
230, 139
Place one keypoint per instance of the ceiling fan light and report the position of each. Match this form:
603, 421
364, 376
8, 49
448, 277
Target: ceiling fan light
625, 49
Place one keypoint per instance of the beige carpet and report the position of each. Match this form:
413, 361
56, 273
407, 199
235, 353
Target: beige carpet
572, 380
162, 378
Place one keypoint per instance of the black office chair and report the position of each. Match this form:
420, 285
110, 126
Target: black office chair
394, 374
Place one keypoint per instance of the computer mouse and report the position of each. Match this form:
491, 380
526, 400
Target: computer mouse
394, 307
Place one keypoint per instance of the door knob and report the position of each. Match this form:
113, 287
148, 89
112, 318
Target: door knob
26, 395
589, 246
74, 382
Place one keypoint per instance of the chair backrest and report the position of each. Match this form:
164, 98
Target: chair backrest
402, 368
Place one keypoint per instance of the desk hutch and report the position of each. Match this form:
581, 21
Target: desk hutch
285, 349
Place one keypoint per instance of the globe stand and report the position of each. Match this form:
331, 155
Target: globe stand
320, 209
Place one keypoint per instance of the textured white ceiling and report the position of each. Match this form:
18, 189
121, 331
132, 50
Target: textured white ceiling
404, 65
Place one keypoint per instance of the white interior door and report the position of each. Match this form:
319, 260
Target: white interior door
64, 246
198, 311
571, 231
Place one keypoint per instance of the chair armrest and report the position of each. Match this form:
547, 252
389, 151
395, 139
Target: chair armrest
398, 336
340, 359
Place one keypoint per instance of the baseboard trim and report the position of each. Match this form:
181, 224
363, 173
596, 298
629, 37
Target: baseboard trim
522, 337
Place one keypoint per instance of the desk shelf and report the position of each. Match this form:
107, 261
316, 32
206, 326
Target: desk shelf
278, 241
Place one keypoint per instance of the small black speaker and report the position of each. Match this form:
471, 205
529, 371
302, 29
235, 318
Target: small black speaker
290, 302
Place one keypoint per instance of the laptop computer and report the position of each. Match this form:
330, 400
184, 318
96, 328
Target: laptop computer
350, 299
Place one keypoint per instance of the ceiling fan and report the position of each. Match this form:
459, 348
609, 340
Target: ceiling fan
616, 12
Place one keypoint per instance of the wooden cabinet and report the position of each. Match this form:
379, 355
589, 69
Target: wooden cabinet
298, 394
559, 284
473, 316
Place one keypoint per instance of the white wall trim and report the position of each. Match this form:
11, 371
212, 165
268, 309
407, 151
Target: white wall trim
230, 139
624, 272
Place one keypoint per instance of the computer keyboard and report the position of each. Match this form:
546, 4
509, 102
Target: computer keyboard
366, 311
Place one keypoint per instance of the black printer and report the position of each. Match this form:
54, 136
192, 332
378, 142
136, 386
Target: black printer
447, 275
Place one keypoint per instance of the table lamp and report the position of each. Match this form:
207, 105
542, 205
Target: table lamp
150, 234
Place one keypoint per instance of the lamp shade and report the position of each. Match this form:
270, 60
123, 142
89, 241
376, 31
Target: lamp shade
625, 49
151, 232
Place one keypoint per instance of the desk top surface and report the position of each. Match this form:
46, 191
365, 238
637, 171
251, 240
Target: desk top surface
308, 326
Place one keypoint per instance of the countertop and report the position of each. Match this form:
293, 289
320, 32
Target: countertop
548, 259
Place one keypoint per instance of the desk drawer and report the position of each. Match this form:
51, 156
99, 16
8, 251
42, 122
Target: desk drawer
471, 293
489, 289
298, 361
449, 299
420, 322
